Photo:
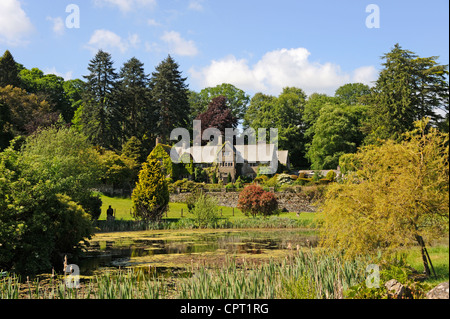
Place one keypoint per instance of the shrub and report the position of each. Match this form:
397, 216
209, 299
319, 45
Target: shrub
284, 179
192, 199
331, 176
205, 210
303, 181
151, 195
253, 200
272, 182
261, 179
186, 186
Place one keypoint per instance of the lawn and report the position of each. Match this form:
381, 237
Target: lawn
123, 208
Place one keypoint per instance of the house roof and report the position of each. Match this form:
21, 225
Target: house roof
253, 153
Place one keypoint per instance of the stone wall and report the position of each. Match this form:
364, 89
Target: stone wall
293, 202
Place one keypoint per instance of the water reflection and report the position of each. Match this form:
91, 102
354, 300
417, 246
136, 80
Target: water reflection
125, 250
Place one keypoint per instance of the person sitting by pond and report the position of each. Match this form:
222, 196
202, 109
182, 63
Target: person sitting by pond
110, 214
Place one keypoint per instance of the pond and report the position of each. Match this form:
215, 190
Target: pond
169, 249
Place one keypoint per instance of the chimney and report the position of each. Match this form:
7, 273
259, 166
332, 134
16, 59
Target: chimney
158, 141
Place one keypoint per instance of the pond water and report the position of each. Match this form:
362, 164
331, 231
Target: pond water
172, 249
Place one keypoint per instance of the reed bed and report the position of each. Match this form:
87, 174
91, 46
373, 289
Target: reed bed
304, 275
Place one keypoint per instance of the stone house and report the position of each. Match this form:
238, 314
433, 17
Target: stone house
235, 160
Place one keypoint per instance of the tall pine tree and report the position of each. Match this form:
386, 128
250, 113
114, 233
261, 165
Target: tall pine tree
408, 89
135, 100
170, 97
101, 116
9, 72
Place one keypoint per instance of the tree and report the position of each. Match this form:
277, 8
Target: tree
50, 88
205, 210
236, 99
45, 200
218, 116
285, 114
135, 100
9, 72
337, 131
396, 196
25, 112
351, 92
253, 200
100, 120
170, 98
64, 158
74, 90
151, 194
408, 89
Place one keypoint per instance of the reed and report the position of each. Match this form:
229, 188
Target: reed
306, 274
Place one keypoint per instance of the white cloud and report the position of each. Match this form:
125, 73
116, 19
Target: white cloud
58, 25
126, 5
195, 5
14, 23
108, 40
153, 23
178, 45
278, 69
66, 76
366, 75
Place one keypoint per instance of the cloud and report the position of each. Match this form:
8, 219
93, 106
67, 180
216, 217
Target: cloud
126, 5
14, 23
58, 25
178, 45
153, 23
108, 40
278, 69
195, 5
366, 75
66, 76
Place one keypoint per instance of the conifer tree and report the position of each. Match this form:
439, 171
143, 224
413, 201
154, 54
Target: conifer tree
151, 194
101, 117
9, 73
170, 97
408, 89
135, 100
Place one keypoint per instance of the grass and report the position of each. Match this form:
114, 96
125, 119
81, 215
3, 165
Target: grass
123, 207
439, 256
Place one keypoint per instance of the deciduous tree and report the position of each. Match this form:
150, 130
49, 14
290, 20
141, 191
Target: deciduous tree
397, 195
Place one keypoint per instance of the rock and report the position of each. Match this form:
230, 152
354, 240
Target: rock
395, 289
439, 292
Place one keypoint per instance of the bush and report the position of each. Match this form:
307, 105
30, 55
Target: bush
151, 195
186, 186
192, 199
331, 176
262, 179
284, 179
205, 210
272, 182
303, 181
253, 200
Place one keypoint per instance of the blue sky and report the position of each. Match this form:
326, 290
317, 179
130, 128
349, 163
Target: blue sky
257, 45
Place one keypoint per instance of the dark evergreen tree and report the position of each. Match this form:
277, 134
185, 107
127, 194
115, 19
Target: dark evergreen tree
101, 115
408, 89
135, 100
170, 97
9, 72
